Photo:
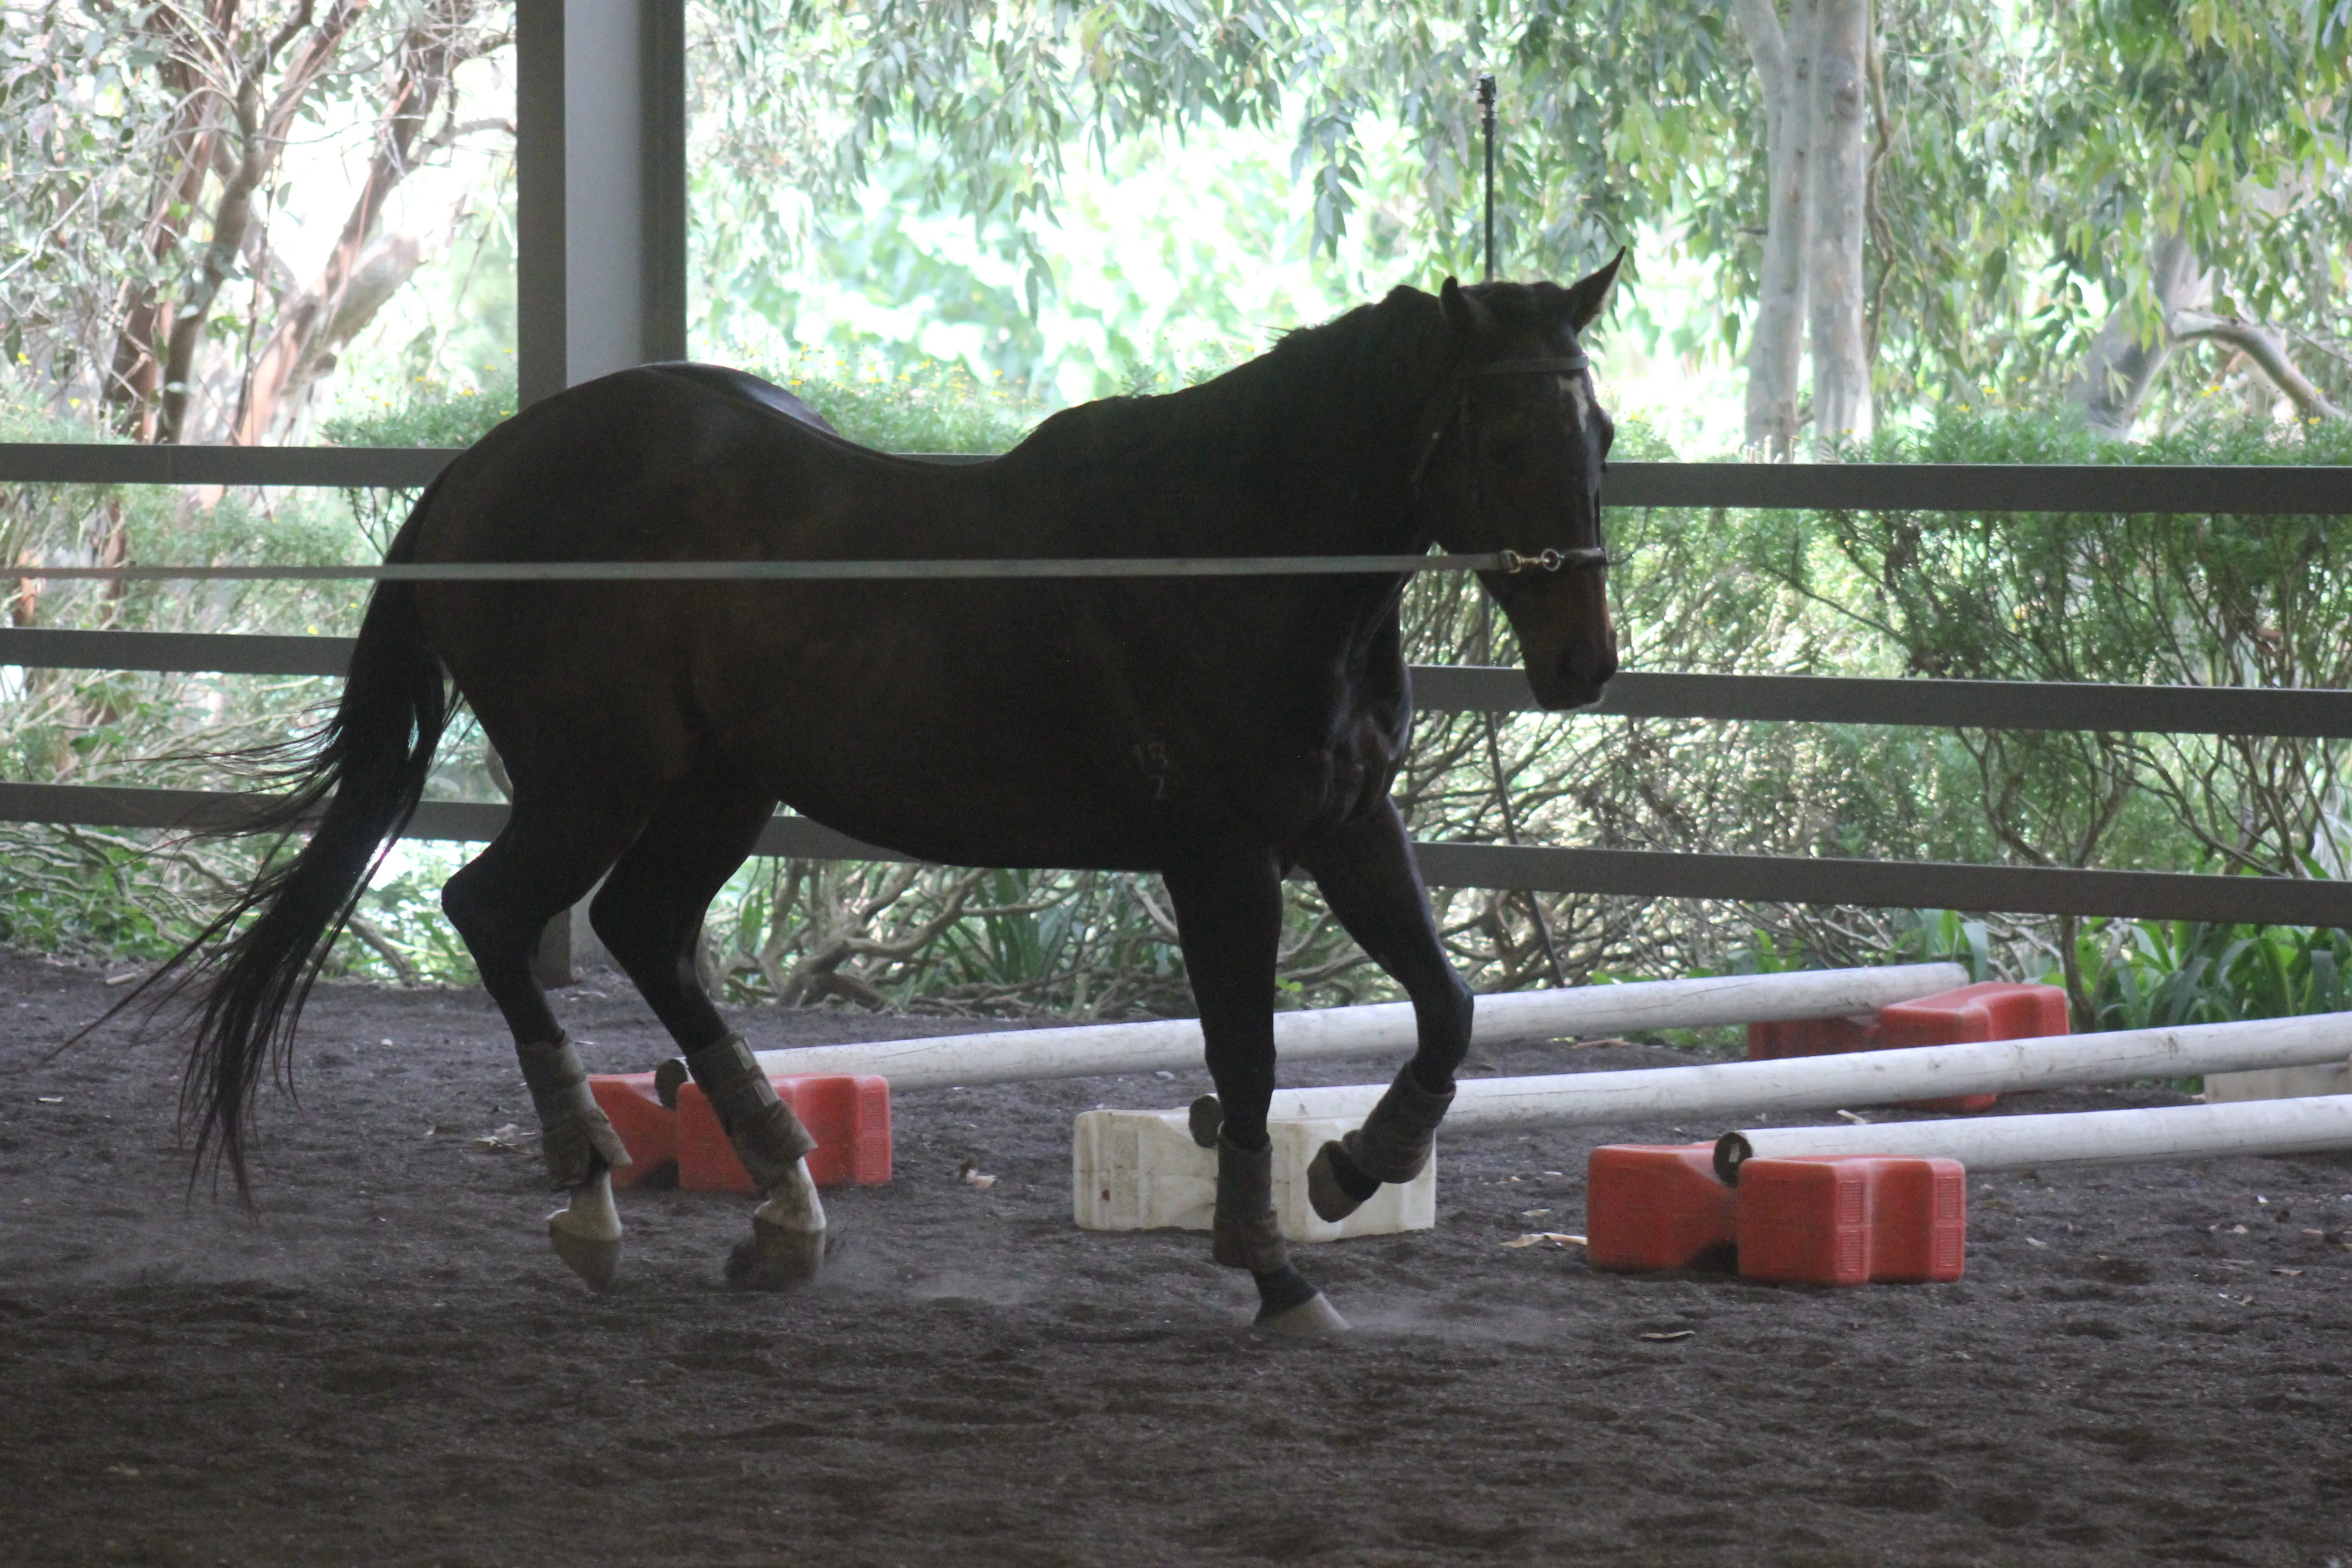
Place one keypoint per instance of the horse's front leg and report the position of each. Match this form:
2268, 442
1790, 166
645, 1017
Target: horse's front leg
1229, 914
787, 1241
1370, 879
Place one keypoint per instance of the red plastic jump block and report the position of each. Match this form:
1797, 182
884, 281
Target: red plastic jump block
1812, 1038
1852, 1220
847, 1113
648, 1129
1657, 1206
1993, 1010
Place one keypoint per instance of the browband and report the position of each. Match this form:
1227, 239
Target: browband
1561, 364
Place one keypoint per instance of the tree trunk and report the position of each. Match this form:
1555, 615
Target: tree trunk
365, 269
1784, 65
1840, 170
2120, 368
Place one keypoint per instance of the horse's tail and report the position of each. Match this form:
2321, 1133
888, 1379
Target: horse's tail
362, 779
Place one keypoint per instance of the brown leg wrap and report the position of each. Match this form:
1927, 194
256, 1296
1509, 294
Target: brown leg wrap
1245, 1234
768, 1137
575, 1136
1393, 1143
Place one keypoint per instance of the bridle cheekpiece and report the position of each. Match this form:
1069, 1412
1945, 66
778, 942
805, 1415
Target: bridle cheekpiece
1451, 407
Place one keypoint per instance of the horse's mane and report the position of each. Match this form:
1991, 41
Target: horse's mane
1359, 366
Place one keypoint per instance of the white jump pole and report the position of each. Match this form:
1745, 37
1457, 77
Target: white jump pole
1862, 1078
1515, 1017
2083, 1138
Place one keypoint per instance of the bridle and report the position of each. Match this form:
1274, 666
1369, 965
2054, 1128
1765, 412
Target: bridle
1451, 406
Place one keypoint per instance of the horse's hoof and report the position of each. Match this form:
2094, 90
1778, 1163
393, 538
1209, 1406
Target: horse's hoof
596, 1258
1328, 1198
587, 1234
776, 1258
1205, 1119
1314, 1315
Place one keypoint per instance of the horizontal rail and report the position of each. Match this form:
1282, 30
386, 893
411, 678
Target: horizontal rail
2164, 1132
1861, 1078
322, 468
1636, 873
1818, 487
1379, 1028
2321, 712
1889, 884
1476, 688
935, 570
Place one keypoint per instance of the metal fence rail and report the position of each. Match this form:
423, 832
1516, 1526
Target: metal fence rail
1640, 873
2023, 705
1476, 688
1812, 487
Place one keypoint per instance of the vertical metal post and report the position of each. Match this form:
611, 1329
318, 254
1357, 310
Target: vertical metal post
661, 179
541, 367
1486, 124
599, 188
599, 220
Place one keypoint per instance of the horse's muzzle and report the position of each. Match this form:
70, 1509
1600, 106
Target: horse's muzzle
1576, 678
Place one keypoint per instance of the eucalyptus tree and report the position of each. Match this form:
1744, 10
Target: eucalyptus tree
144, 157
1931, 195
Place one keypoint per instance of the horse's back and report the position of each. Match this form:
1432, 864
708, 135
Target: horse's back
1008, 722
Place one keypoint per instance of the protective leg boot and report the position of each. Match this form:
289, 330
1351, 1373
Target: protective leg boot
768, 1137
582, 1148
1393, 1145
576, 1138
1245, 1234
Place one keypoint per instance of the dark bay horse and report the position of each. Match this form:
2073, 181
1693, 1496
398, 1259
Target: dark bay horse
1219, 732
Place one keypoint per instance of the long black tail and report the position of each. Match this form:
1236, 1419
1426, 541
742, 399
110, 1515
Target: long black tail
367, 769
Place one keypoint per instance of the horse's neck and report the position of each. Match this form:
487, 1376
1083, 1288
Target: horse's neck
1345, 467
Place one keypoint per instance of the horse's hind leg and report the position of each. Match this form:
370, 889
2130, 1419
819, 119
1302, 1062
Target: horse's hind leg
1229, 914
544, 862
649, 918
1371, 882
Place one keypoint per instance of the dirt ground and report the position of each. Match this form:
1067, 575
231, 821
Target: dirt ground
388, 1366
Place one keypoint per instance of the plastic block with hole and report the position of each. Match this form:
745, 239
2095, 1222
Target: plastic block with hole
849, 1114
1657, 1206
1994, 1010
1140, 1170
1812, 1038
648, 1129
1853, 1220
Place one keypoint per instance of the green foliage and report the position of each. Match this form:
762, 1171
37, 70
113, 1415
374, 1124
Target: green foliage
424, 410
2155, 974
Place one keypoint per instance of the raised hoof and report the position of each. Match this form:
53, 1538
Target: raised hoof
1205, 1119
1327, 1183
596, 1258
776, 1258
1314, 1315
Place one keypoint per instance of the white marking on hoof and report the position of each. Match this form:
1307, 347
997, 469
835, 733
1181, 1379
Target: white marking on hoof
1314, 1315
587, 1232
793, 1205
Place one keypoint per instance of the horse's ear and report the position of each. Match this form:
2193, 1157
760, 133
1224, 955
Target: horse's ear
1462, 312
1586, 297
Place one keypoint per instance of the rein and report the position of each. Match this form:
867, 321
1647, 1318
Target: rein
1442, 418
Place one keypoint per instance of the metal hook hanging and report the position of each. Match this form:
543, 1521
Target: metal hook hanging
1487, 125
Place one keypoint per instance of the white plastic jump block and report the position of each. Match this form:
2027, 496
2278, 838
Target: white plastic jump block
1140, 1170
2278, 1083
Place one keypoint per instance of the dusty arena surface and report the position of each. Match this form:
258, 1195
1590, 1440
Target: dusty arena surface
388, 1366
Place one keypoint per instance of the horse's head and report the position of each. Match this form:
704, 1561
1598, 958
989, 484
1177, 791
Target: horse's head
1512, 451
